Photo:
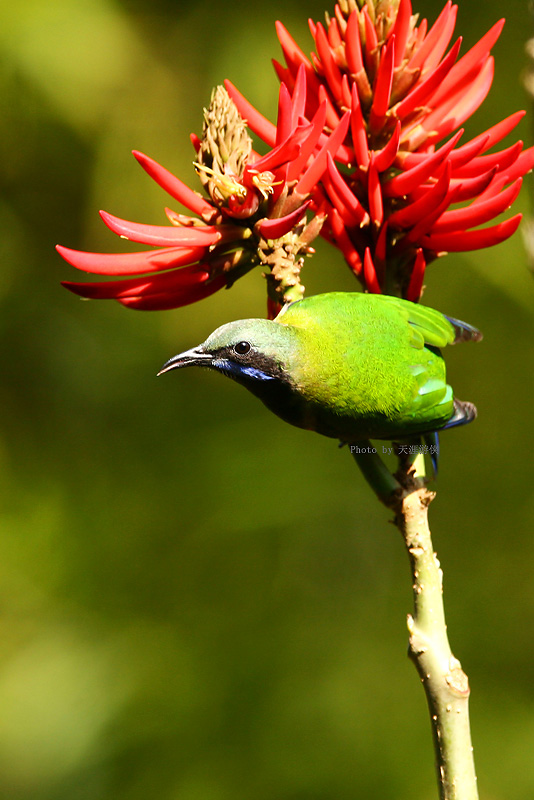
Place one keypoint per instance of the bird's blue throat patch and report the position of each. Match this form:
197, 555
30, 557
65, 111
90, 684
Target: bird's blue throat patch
240, 371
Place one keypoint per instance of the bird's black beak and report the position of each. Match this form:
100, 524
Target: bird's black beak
189, 358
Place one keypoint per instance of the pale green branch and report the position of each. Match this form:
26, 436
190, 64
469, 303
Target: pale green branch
445, 683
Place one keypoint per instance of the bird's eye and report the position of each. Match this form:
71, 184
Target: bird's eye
242, 348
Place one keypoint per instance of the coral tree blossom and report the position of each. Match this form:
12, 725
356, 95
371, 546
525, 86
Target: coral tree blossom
399, 192
256, 207
368, 141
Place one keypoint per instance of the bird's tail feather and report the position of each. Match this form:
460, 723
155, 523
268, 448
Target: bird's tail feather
464, 332
464, 412
432, 442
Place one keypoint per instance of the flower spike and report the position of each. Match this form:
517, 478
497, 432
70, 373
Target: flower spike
253, 211
387, 188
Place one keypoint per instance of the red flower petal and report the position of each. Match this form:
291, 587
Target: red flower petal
469, 188
448, 117
382, 88
369, 273
292, 52
284, 124
424, 226
371, 39
298, 98
352, 257
467, 152
413, 291
459, 156
167, 301
332, 117
380, 251
406, 182
282, 73
316, 127
194, 235
384, 158
437, 38
318, 166
358, 130
334, 35
524, 164
291, 108
470, 149
401, 30
497, 132
376, 207
285, 152
346, 96
470, 61
472, 240
353, 45
331, 70
502, 160
145, 285
348, 205
425, 205
131, 263
422, 91
256, 121
350, 220
494, 188
478, 212
275, 228
175, 187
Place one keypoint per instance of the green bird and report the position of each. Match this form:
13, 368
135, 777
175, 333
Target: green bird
351, 366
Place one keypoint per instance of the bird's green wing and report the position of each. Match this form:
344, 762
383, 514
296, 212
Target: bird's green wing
431, 327
433, 397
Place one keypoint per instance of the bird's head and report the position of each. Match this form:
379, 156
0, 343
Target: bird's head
251, 351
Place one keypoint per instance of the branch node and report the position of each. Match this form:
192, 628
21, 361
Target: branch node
457, 681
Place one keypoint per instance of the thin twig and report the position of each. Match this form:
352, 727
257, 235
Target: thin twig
445, 683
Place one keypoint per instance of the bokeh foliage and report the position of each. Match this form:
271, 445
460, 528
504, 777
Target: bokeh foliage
199, 602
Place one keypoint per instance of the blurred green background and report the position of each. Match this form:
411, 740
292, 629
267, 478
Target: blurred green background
198, 601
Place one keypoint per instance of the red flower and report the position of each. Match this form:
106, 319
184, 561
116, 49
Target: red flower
255, 204
359, 141
390, 192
